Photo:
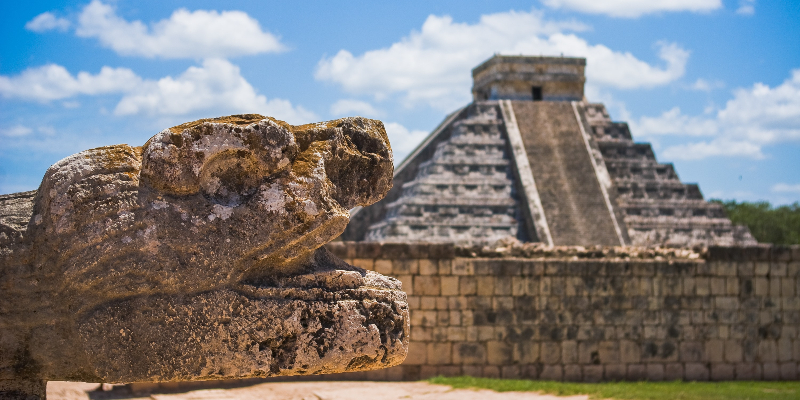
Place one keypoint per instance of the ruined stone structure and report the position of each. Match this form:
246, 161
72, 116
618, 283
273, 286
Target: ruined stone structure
567, 313
198, 256
530, 158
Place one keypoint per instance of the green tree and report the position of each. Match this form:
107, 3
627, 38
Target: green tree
768, 224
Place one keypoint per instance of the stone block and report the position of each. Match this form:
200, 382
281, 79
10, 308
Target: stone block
502, 286
450, 370
405, 267
439, 353
427, 302
789, 286
609, 352
761, 268
774, 286
485, 285
421, 333
732, 286
449, 285
407, 283
717, 285
510, 372
747, 371
715, 351
761, 286
767, 351
375, 375
630, 352
411, 372
551, 352
637, 372
526, 352
428, 371
722, 372
588, 353
696, 372
469, 353
733, 351
441, 303
784, 352
417, 353
691, 352
615, 372
463, 266
552, 373
530, 371
456, 303
427, 285
519, 286
456, 333
394, 374
467, 285
498, 352
788, 371
428, 267
367, 263
702, 286
655, 372
771, 371
472, 370
491, 371
573, 373
569, 352
673, 371
384, 267
445, 267
413, 302
777, 269
689, 286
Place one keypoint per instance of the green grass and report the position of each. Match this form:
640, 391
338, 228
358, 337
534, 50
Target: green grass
677, 390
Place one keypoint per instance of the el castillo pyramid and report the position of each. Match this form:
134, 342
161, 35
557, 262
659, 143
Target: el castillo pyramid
531, 158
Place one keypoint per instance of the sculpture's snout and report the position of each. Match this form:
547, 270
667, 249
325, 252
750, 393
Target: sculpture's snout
227, 165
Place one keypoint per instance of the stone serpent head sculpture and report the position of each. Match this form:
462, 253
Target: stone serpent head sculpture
198, 256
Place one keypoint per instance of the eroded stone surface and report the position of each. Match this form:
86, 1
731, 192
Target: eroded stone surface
197, 256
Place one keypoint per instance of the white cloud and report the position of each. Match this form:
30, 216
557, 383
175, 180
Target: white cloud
706, 86
433, 65
347, 107
786, 188
674, 122
634, 8
714, 148
16, 131
54, 82
186, 34
403, 141
47, 21
746, 7
753, 118
216, 87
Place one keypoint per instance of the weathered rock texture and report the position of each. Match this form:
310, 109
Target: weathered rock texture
197, 256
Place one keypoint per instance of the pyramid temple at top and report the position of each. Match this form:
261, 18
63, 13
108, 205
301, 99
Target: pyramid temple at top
532, 159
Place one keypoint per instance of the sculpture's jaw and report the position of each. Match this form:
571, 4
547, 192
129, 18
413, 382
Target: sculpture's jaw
324, 322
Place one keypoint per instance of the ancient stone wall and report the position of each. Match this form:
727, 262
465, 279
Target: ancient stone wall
728, 313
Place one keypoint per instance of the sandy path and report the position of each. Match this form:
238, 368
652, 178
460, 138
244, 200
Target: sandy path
306, 391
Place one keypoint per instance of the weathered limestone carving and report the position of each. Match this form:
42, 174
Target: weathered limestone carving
198, 256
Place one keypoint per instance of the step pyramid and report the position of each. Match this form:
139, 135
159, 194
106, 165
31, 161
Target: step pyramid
531, 159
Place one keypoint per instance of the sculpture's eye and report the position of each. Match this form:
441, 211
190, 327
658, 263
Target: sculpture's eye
231, 177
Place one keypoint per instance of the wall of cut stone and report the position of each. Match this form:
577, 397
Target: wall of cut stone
732, 314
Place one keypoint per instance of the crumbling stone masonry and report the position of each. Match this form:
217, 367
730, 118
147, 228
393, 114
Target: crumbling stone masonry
198, 256
591, 315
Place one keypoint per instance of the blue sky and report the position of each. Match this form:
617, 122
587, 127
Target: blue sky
713, 85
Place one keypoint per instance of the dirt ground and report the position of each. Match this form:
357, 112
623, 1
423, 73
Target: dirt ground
298, 391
